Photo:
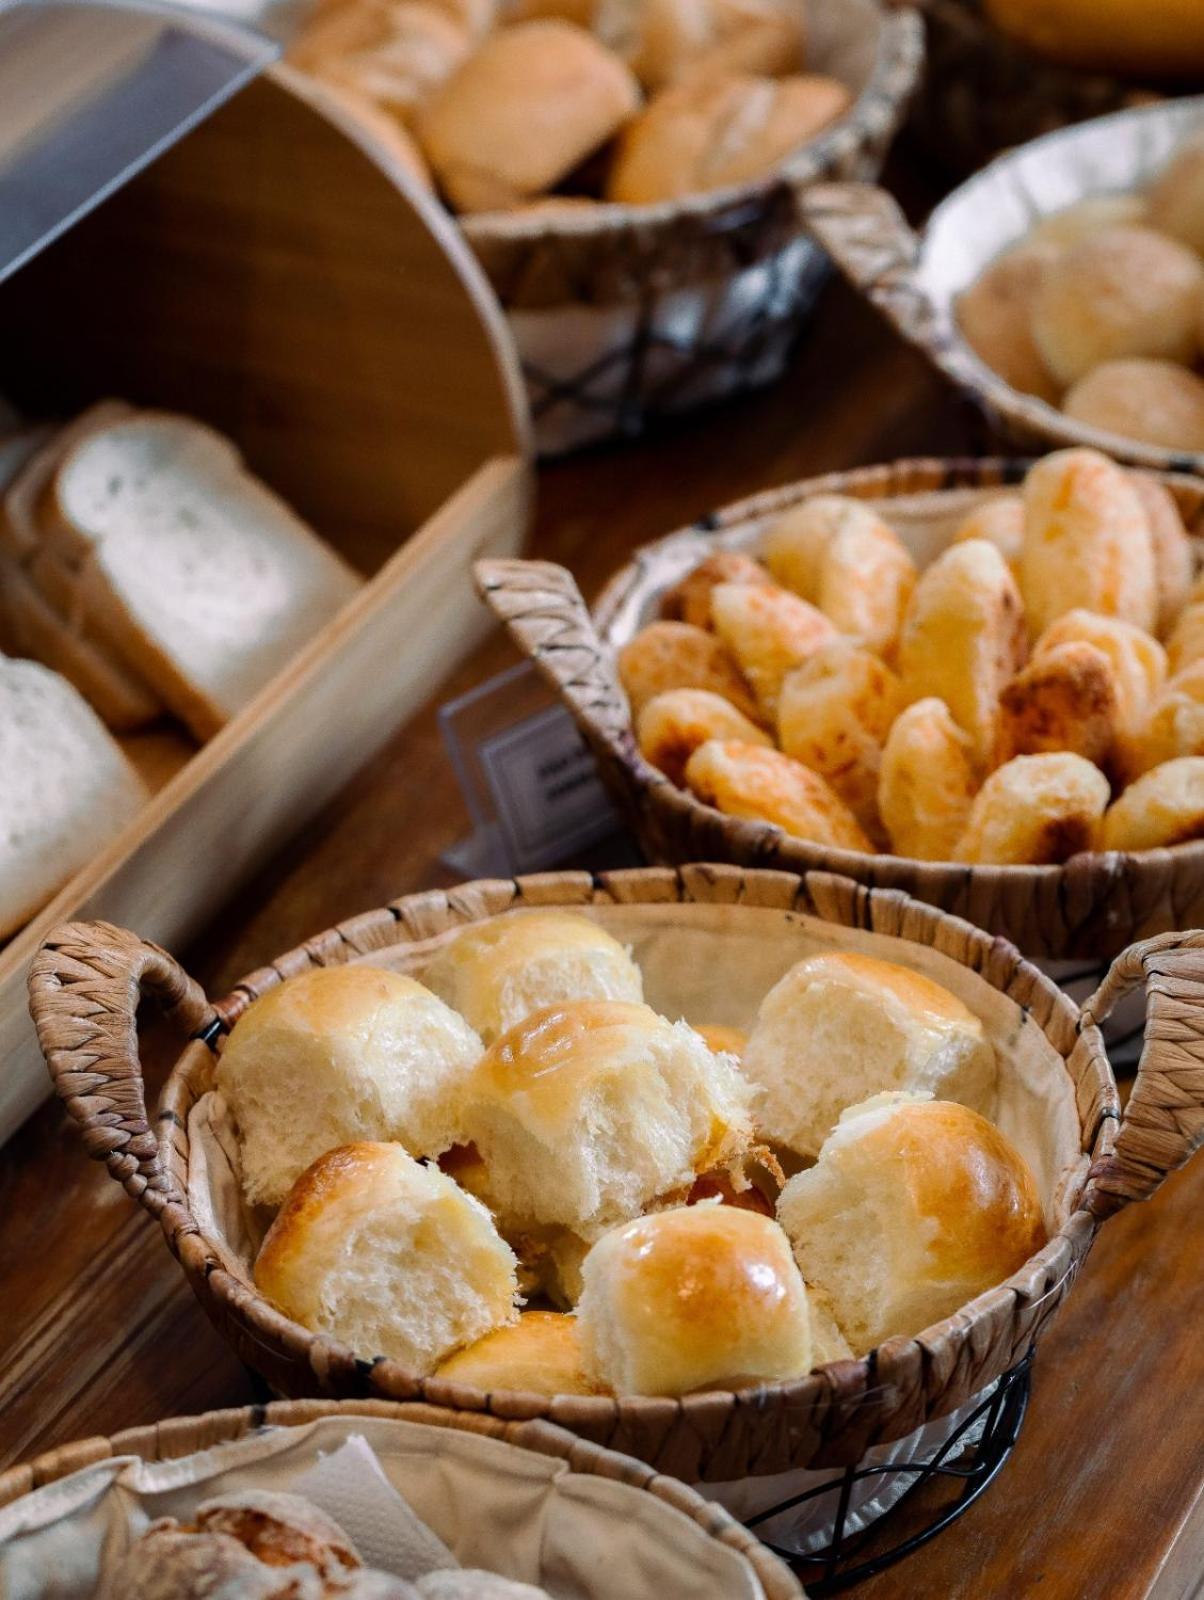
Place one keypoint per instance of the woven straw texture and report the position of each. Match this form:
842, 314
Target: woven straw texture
1089, 908
84, 985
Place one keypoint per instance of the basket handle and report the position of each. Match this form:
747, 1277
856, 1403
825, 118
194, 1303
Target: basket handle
1163, 1123
84, 988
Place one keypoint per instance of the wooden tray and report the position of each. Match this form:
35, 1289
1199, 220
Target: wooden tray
277, 276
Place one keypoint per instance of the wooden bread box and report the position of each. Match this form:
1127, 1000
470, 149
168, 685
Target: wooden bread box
276, 275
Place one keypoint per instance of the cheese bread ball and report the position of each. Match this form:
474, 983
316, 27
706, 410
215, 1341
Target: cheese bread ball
538, 1354
841, 1026
1173, 560
1156, 402
1138, 660
672, 726
743, 780
914, 1207
926, 783
702, 1297
1075, 223
1087, 542
690, 599
963, 638
1186, 642
1175, 726
995, 315
1035, 811
336, 1055
768, 632
1124, 291
676, 655
1164, 807
1175, 202
389, 1256
495, 973
1000, 521
794, 543
1064, 699
584, 1114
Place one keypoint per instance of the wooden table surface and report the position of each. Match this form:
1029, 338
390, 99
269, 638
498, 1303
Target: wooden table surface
98, 1329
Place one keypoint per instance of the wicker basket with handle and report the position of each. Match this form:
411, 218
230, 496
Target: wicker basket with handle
88, 978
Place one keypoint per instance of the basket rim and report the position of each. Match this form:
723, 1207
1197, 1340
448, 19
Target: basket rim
914, 475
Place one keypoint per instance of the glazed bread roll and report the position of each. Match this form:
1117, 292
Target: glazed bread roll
1163, 807
496, 973
914, 1207
702, 1297
1000, 521
769, 632
1173, 559
337, 1055
672, 726
690, 600
1035, 811
995, 315
744, 780
538, 1354
963, 638
840, 1027
1086, 542
584, 1114
926, 783
715, 130
1064, 699
527, 107
676, 655
1157, 402
389, 1256
1175, 203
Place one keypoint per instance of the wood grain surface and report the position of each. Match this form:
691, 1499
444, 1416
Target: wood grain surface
99, 1331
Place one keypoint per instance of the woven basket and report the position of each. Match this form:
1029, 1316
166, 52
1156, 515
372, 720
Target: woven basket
185, 1436
913, 279
623, 314
1089, 908
87, 980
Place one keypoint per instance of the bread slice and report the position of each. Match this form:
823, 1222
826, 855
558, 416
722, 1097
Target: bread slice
20, 529
202, 577
65, 787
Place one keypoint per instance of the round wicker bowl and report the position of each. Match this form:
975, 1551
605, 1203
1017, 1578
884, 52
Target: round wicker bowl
88, 978
622, 314
1090, 908
186, 1436
914, 279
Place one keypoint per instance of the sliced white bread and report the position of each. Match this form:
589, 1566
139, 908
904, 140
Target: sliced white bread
202, 578
20, 529
65, 787
32, 627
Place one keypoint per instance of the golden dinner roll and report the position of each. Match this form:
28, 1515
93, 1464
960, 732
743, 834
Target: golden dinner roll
701, 1297
744, 780
583, 1114
676, 655
1173, 561
1035, 811
926, 782
531, 103
914, 1207
538, 1354
416, 47
672, 726
1175, 202
715, 130
794, 543
1134, 38
840, 1027
762, 37
1163, 807
1000, 521
719, 1036
1125, 291
866, 578
1186, 642
1156, 402
336, 1055
690, 600
1087, 542
1175, 726
389, 1256
1138, 660
963, 638
995, 315
495, 973
1064, 699
1076, 222
834, 714
768, 632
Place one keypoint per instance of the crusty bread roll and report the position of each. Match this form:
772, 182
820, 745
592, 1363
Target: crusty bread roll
1173, 559
1156, 402
1066, 698
677, 655
394, 57
1076, 222
336, 1055
926, 782
526, 108
1000, 521
769, 632
995, 315
963, 638
584, 1114
1185, 646
744, 780
840, 1027
914, 1207
1138, 660
672, 726
690, 599
389, 1256
1086, 542
496, 973
663, 41
715, 130
701, 1297
538, 1354
1035, 811
1175, 202
1175, 725
1163, 807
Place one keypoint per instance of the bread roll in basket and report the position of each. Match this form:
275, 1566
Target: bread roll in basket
707, 938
